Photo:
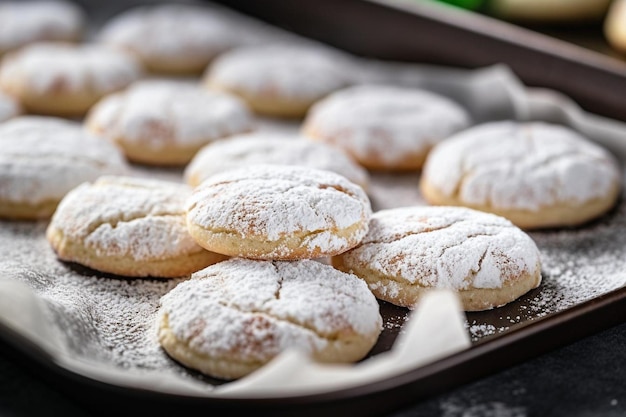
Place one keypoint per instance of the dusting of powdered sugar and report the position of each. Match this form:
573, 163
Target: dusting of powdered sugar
9, 107
127, 216
286, 71
444, 247
46, 67
250, 310
513, 165
266, 148
274, 201
42, 158
170, 32
23, 22
384, 122
167, 113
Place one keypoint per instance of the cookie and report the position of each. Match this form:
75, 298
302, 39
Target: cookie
267, 148
278, 80
25, 22
278, 212
59, 79
159, 122
43, 158
535, 174
170, 38
9, 107
615, 25
385, 127
408, 251
128, 226
234, 317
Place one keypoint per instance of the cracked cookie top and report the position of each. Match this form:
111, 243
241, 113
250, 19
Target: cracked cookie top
524, 166
266, 148
42, 158
243, 313
313, 212
443, 247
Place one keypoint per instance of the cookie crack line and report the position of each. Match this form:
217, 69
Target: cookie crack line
280, 281
397, 238
114, 223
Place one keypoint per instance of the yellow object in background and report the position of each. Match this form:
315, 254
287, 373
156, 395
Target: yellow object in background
549, 11
615, 25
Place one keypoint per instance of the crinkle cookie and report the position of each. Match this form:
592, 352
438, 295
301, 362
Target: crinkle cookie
267, 148
233, 317
60, 79
161, 122
278, 212
535, 174
128, 226
9, 107
278, 80
385, 127
24, 22
170, 38
487, 260
42, 158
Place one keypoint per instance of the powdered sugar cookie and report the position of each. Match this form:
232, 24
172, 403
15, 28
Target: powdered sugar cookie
615, 25
166, 122
65, 80
233, 317
266, 148
170, 38
9, 107
25, 22
535, 174
410, 250
278, 212
128, 226
385, 127
42, 158
278, 80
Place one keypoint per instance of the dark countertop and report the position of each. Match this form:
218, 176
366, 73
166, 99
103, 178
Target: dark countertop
582, 379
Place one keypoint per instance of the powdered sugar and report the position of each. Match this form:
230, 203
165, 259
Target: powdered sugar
164, 113
52, 67
170, 32
125, 216
22, 22
9, 107
42, 158
267, 148
445, 247
252, 310
273, 201
385, 122
521, 166
286, 71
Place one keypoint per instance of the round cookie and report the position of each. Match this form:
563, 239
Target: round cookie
615, 25
487, 260
278, 80
128, 226
9, 107
384, 127
65, 80
266, 148
535, 174
170, 38
25, 22
278, 212
42, 158
161, 122
234, 317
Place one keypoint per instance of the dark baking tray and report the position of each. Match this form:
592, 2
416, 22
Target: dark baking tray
415, 33
420, 31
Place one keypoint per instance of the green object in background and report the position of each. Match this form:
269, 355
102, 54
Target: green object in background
466, 4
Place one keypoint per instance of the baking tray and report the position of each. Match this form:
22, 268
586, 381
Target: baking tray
429, 32
500, 337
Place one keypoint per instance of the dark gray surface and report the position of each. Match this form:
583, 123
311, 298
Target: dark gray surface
587, 378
